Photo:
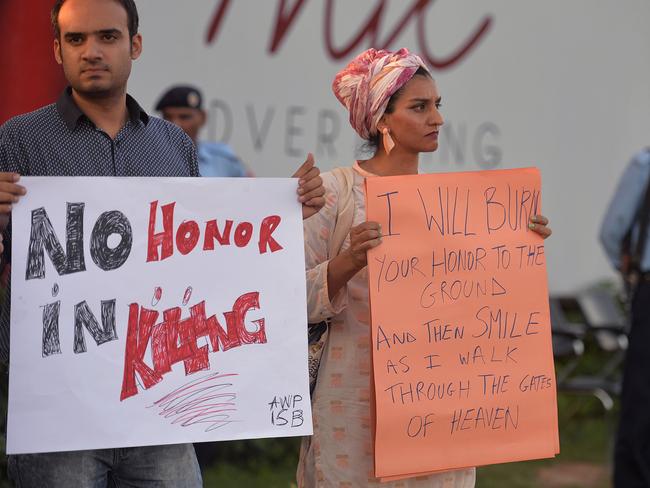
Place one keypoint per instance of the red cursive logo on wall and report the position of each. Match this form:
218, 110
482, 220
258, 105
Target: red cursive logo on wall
286, 16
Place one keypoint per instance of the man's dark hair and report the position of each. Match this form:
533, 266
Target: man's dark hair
132, 18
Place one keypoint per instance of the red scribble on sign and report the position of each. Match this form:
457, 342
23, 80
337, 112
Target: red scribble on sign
286, 17
208, 400
174, 340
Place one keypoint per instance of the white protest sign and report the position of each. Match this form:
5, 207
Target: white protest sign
156, 311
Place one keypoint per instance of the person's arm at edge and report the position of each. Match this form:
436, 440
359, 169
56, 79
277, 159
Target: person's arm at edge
10, 190
624, 206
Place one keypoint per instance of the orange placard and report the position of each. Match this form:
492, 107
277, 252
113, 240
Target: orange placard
461, 337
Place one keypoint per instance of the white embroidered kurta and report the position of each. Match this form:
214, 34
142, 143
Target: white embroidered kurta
340, 453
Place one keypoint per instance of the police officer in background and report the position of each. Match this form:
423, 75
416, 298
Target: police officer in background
183, 106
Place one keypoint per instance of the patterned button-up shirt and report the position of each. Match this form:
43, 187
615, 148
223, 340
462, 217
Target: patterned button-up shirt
59, 140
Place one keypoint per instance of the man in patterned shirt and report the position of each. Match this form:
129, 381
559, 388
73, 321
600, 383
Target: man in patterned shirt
96, 129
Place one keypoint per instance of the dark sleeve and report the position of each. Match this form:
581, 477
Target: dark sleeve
8, 162
5, 157
189, 151
5, 313
4, 149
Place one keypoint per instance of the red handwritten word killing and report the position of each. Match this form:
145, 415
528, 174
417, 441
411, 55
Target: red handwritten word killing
174, 340
188, 234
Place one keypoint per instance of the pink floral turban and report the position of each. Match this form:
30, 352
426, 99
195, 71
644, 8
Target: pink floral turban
366, 84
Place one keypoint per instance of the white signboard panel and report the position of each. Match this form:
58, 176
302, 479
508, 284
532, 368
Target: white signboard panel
559, 85
155, 311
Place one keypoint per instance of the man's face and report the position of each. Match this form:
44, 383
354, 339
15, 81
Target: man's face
94, 47
189, 119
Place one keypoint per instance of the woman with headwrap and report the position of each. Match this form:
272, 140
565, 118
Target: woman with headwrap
394, 105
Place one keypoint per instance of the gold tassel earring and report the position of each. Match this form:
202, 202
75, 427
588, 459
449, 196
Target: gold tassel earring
389, 144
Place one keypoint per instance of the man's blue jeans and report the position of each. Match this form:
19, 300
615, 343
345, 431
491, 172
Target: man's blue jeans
171, 466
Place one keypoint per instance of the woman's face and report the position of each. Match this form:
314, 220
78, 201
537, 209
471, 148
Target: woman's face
415, 121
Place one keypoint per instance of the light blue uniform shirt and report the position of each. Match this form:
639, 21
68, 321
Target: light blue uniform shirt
623, 209
218, 159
